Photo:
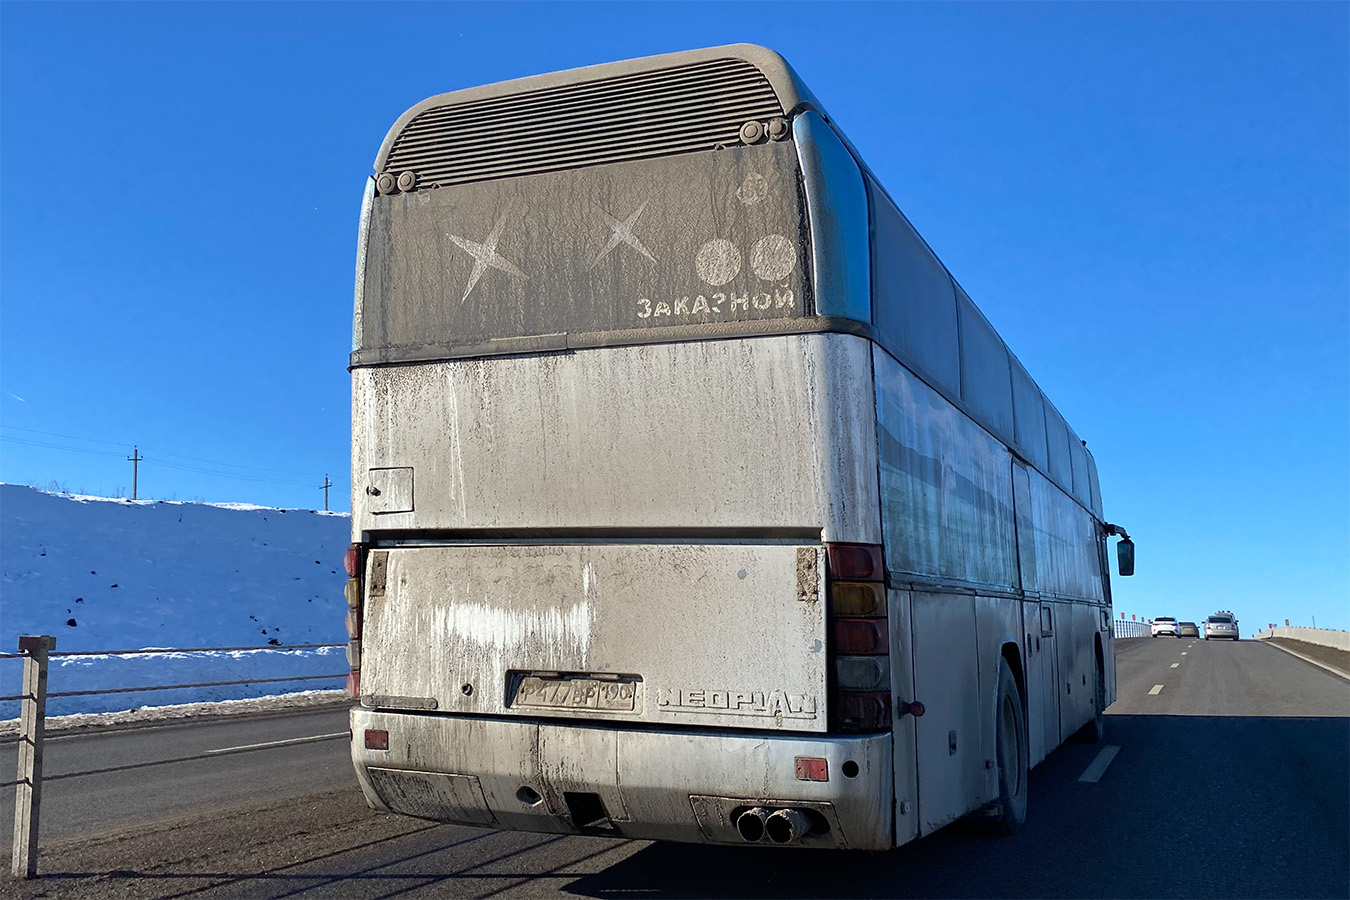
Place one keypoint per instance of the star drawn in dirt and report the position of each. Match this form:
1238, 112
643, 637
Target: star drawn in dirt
484, 255
622, 232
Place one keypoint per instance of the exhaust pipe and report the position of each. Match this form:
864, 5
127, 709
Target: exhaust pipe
750, 824
786, 826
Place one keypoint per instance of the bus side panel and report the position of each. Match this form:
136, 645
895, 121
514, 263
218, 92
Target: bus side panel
903, 735
998, 622
1042, 694
1086, 624
1073, 622
946, 681
1109, 657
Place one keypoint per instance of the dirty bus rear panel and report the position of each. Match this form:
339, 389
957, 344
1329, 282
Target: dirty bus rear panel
602, 437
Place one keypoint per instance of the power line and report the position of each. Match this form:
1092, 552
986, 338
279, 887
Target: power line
15, 440
197, 470
73, 437
152, 450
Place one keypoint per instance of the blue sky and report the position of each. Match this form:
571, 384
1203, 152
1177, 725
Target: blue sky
1149, 201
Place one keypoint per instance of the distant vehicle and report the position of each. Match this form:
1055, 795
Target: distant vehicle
678, 457
1188, 629
1164, 625
1221, 625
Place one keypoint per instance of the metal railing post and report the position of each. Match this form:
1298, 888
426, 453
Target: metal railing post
28, 793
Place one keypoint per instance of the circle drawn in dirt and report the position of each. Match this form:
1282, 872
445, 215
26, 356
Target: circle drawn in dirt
718, 261
754, 189
773, 257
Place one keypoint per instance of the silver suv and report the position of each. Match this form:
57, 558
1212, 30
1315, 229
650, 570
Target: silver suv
1221, 625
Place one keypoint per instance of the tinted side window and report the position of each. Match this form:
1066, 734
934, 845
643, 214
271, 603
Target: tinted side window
913, 304
1094, 486
1078, 460
1057, 436
1029, 417
986, 380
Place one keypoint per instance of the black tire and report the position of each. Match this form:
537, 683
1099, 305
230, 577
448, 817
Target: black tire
1095, 729
1013, 754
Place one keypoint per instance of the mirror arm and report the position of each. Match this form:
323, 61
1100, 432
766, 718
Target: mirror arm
1115, 530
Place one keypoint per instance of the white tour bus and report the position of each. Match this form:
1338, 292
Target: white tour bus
692, 498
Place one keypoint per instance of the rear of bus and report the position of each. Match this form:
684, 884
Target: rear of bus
616, 564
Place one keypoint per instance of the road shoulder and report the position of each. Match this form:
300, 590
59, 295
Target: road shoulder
196, 853
1333, 660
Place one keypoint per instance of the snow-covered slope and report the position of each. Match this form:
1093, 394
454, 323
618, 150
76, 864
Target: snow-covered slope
104, 574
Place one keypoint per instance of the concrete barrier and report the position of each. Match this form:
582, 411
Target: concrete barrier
1324, 636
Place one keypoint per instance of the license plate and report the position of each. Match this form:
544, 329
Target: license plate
576, 692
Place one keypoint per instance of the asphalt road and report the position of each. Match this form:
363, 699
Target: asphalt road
96, 782
1231, 780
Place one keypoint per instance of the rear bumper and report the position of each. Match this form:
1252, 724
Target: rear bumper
658, 785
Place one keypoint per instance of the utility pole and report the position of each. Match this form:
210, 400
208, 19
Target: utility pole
135, 459
326, 485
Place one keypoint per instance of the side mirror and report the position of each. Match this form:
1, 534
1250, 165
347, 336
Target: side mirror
1125, 556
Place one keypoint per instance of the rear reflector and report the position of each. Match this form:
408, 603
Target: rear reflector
812, 768
354, 654
351, 560
377, 739
861, 636
354, 684
353, 592
860, 562
354, 624
863, 711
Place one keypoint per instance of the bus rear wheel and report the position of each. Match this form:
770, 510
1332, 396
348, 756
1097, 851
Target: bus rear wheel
1013, 756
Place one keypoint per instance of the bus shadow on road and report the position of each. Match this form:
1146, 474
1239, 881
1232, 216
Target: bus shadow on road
1239, 806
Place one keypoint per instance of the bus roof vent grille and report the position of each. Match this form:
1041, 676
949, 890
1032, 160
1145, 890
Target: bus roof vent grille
679, 110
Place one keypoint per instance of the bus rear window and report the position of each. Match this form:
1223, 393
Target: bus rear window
693, 239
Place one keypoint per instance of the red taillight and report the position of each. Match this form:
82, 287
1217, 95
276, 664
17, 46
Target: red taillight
861, 636
856, 562
860, 646
354, 684
377, 739
351, 560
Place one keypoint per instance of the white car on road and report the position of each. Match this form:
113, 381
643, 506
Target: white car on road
1164, 625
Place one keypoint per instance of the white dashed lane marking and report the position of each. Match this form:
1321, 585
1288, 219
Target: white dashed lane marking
1156, 689
1097, 767
1174, 665
286, 743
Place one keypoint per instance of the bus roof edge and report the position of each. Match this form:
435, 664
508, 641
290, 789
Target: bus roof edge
792, 93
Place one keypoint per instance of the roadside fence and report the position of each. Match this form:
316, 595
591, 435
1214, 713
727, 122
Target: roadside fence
36, 652
1128, 628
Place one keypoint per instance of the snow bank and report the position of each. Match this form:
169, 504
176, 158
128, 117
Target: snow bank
145, 714
104, 575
